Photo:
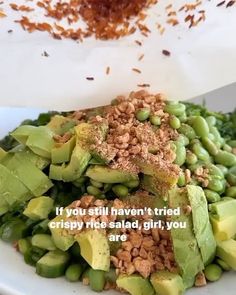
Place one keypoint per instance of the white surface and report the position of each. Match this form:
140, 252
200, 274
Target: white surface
17, 278
202, 59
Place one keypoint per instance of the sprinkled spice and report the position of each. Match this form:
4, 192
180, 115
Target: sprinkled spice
141, 57
221, 3
143, 85
90, 78
230, 3
166, 52
108, 70
138, 42
10, 31
45, 54
136, 70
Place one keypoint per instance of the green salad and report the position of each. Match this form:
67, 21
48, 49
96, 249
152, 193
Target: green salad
141, 153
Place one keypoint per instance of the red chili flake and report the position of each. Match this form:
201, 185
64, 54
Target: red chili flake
90, 78
107, 70
166, 52
230, 3
136, 70
138, 42
141, 57
221, 3
143, 85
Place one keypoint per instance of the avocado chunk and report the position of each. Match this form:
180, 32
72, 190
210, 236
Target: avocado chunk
21, 134
77, 165
94, 249
27, 155
14, 193
62, 240
43, 241
88, 134
41, 141
226, 250
39, 208
224, 229
167, 283
186, 251
62, 151
33, 178
4, 207
223, 218
155, 186
105, 174
224, 208
135, 285
53, 264
201, 223
2, 153
56, 171
60, 124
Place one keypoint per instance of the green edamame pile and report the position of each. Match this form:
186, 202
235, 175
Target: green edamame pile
62, 151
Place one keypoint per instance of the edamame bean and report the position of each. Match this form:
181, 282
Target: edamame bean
73, 272
191, 158
181, 180
231, 178
215, 184
223, 169
211, 120
175, 122
213, 272
175, 109
225, 158
107, 187
94, 191
231, 192
210, 146
180, 154
227, 148
97, 280
132, 184
155, 120
200, 126
120, 190
171, 102
111, 275
183, 140
24, 245
183, 118
200, 152
217, 136
96, 183
188, 131
223, 265
215, 171
142, 114
212, 196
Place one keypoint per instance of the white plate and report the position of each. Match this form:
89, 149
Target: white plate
17, 278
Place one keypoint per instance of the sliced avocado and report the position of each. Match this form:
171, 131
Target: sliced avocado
33, 178
167, 283
62, 151
135, 285
201, 223
95, 249
39, 208
21, 134
60, 124
62, 240
41, 142
88, 133
56, 171
53, 264
155, 186
27, 155
77, 165
4, 207
2, 153
226, 250
43, 241
14, 193
224, 208
223, 229
187, 253
108, 175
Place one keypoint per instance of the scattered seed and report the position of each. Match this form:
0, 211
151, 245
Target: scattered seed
90, 78
143, 85
136, 70
107, 70
166, 52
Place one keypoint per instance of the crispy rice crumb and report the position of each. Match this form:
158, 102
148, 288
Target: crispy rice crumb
200, 280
